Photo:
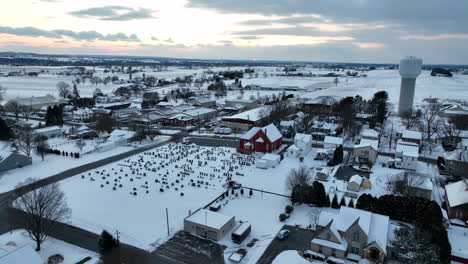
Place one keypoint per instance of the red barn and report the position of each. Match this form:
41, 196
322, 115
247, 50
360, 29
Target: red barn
261, 139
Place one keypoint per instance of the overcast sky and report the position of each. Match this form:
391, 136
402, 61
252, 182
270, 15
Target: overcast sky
302, 30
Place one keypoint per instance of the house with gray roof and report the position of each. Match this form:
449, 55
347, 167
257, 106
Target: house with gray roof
13, 160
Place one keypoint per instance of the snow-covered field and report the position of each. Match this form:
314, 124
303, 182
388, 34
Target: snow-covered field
54, 164
189, 175
72, 254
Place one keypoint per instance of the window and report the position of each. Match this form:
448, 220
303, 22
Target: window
355, 250
320, 249
333, 252
356, 236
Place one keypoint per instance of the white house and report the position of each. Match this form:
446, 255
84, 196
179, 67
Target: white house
268, 161
409, 160
120, 137
332, 142
82, 114
209, 224
369, 134
302, 146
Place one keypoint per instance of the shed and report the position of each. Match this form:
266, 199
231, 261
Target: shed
268, 161
354, 183
241, 232
50, 132
209, 224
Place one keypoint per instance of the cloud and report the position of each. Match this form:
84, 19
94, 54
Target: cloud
437, 37
60, 33
114, 13
169, 40
415, 15
293, 20
249, 37
154, 38
285, 31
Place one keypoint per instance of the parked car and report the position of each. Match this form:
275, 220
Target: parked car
283, 234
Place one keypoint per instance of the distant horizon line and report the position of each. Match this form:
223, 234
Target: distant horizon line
218, 60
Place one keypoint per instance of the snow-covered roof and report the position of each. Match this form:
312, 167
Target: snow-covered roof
407, 147
4, 154
271, 157
458, 154
22, 255
411, 134
302, 137
36, 100
287, 123
356, 179
119, 134
290, 257
369, 133
375, 226
368, 142
241, 229
272, 132
333, 140
46, 129
419, 181
260, 140
457, 193
330, 244
251, 115
209, 218
199, 111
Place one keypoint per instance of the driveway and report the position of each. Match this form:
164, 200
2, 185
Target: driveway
299, 239
346, 172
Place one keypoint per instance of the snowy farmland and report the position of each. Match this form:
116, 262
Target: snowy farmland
177, 177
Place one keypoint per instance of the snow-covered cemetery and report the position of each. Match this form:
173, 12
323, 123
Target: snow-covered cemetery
155, 162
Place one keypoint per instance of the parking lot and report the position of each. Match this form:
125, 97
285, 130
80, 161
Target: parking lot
299, 239
346, 172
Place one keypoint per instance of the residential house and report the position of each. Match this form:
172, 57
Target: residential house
456, 198
321, 105
204, 102
332, 142
13, 160
82, 114
455, 110
265, 139
411, 136
353, 234
369, 134
456, 162
178, 120
321, 129
287, 127
120, 137
365, 153
301, 147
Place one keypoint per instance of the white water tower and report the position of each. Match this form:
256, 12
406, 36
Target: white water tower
409, 69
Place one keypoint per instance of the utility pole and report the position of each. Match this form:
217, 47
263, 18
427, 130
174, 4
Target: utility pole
167, 221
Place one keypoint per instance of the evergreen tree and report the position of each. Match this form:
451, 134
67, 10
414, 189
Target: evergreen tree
413, 246
351, 203
334, 203
107, 242
321, 198
76, 93
343, 202
50, 117
5, 131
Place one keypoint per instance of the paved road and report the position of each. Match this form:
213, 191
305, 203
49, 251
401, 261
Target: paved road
299, 239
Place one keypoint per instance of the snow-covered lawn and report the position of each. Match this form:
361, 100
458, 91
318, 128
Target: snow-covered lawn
458, 240
54, 164
72, 254
137, 206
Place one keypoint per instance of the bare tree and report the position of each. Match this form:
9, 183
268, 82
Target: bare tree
44, 208
449, 132
410, 119
41, 145
24, 141
80, 144
298, 182
429, 123
13, 107
26, 111
63, 89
